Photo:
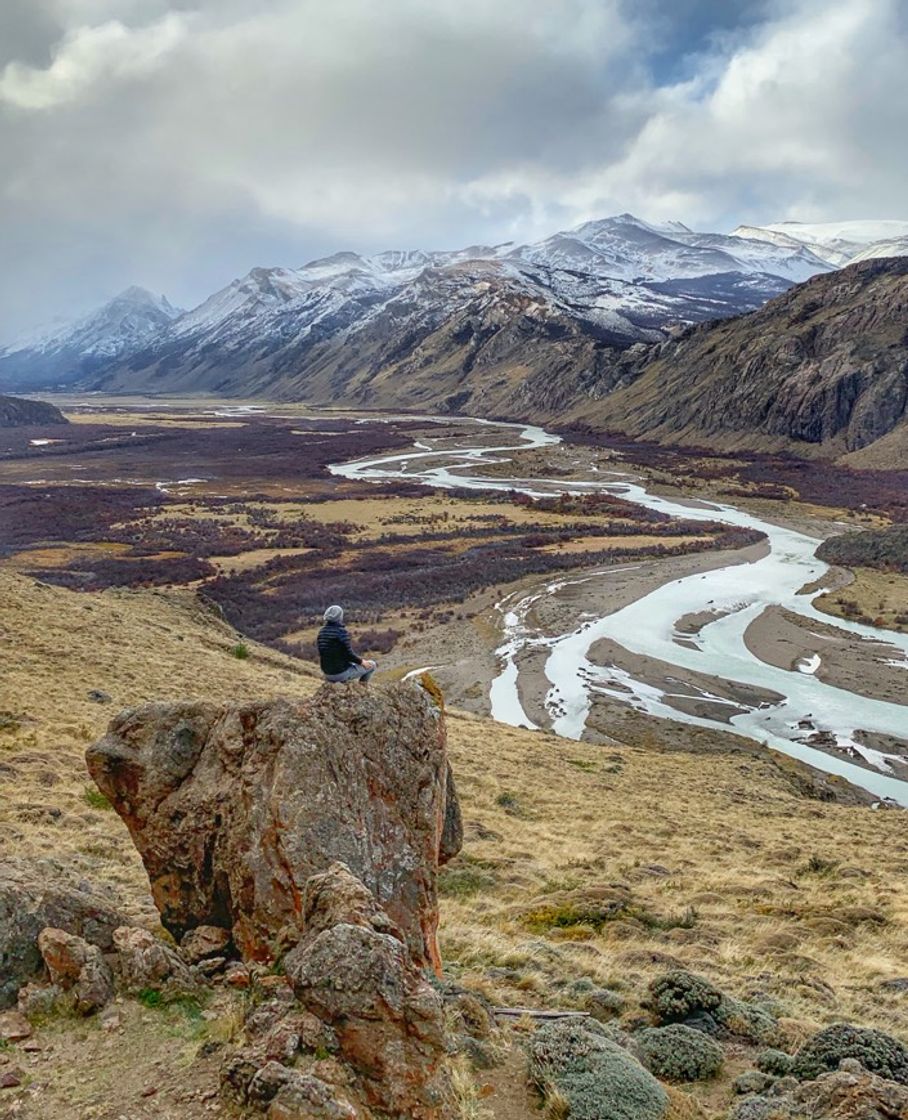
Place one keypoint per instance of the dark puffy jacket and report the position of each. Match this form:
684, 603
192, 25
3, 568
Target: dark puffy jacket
335, 653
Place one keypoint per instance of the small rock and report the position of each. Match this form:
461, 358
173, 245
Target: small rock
149, 1090
237, 976
110, 1020
73, 963
10, 1080
203, 942
97, 696
147, 962
850, 1065
14, 1027
271, 981
212, 966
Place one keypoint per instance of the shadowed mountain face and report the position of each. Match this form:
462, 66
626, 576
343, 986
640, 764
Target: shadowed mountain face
826, 364
65, 355
17, 412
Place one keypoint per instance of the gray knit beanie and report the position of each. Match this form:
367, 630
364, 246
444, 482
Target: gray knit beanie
334, 614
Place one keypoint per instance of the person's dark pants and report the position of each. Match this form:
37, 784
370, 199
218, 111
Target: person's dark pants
351, 673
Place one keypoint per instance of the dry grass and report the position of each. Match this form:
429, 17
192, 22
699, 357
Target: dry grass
879, 596
55, 647
727, 871
604, 544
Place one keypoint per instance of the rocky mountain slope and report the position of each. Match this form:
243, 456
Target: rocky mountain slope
18, 412
824, 366
620, 279
70, 352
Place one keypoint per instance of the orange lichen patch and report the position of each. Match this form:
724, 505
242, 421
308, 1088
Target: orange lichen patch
430, 685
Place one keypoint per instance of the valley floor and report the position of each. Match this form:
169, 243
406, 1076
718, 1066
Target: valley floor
742, 864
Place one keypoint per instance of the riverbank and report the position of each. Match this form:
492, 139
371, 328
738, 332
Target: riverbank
728, 682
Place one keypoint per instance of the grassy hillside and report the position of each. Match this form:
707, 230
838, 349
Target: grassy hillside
584, 867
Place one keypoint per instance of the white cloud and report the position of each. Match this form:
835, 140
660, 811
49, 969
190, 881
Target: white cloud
89, 56
179, 142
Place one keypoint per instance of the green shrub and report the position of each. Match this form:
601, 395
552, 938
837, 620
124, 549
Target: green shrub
775, 1062
679, 1053
240, 651
575, 1060
751, 1081
760, 1108
95, 798
462, 882
877, 1052
602, 1003
677, 995
151, 997
510, 802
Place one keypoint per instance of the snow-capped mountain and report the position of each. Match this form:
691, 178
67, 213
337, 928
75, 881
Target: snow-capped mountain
71, 350
837, 243
617, 281
627, 248
612, 282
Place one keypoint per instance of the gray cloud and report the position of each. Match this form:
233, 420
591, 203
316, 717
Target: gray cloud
178, 144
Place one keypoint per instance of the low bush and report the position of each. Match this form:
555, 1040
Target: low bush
877, 1052
775, 1062
677, 995
573, 1061
679, 1053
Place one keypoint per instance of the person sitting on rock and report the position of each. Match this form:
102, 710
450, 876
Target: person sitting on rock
335, 653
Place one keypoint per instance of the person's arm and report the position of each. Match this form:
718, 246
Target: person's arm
348, 647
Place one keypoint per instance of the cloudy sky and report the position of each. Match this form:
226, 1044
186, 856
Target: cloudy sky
177, 143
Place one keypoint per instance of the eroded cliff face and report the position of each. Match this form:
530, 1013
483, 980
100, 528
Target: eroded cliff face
825, 365
233, 808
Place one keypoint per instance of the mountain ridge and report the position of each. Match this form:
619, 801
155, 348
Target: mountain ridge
72, 350
631, 279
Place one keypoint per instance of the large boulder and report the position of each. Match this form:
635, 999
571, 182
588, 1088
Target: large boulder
34, 895
234, 807
846, 1094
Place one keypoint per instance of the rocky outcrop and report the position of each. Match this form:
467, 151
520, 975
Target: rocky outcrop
824, 364
850, 1093
233, 808
354, 972
16, 412
360, 998
34, 896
